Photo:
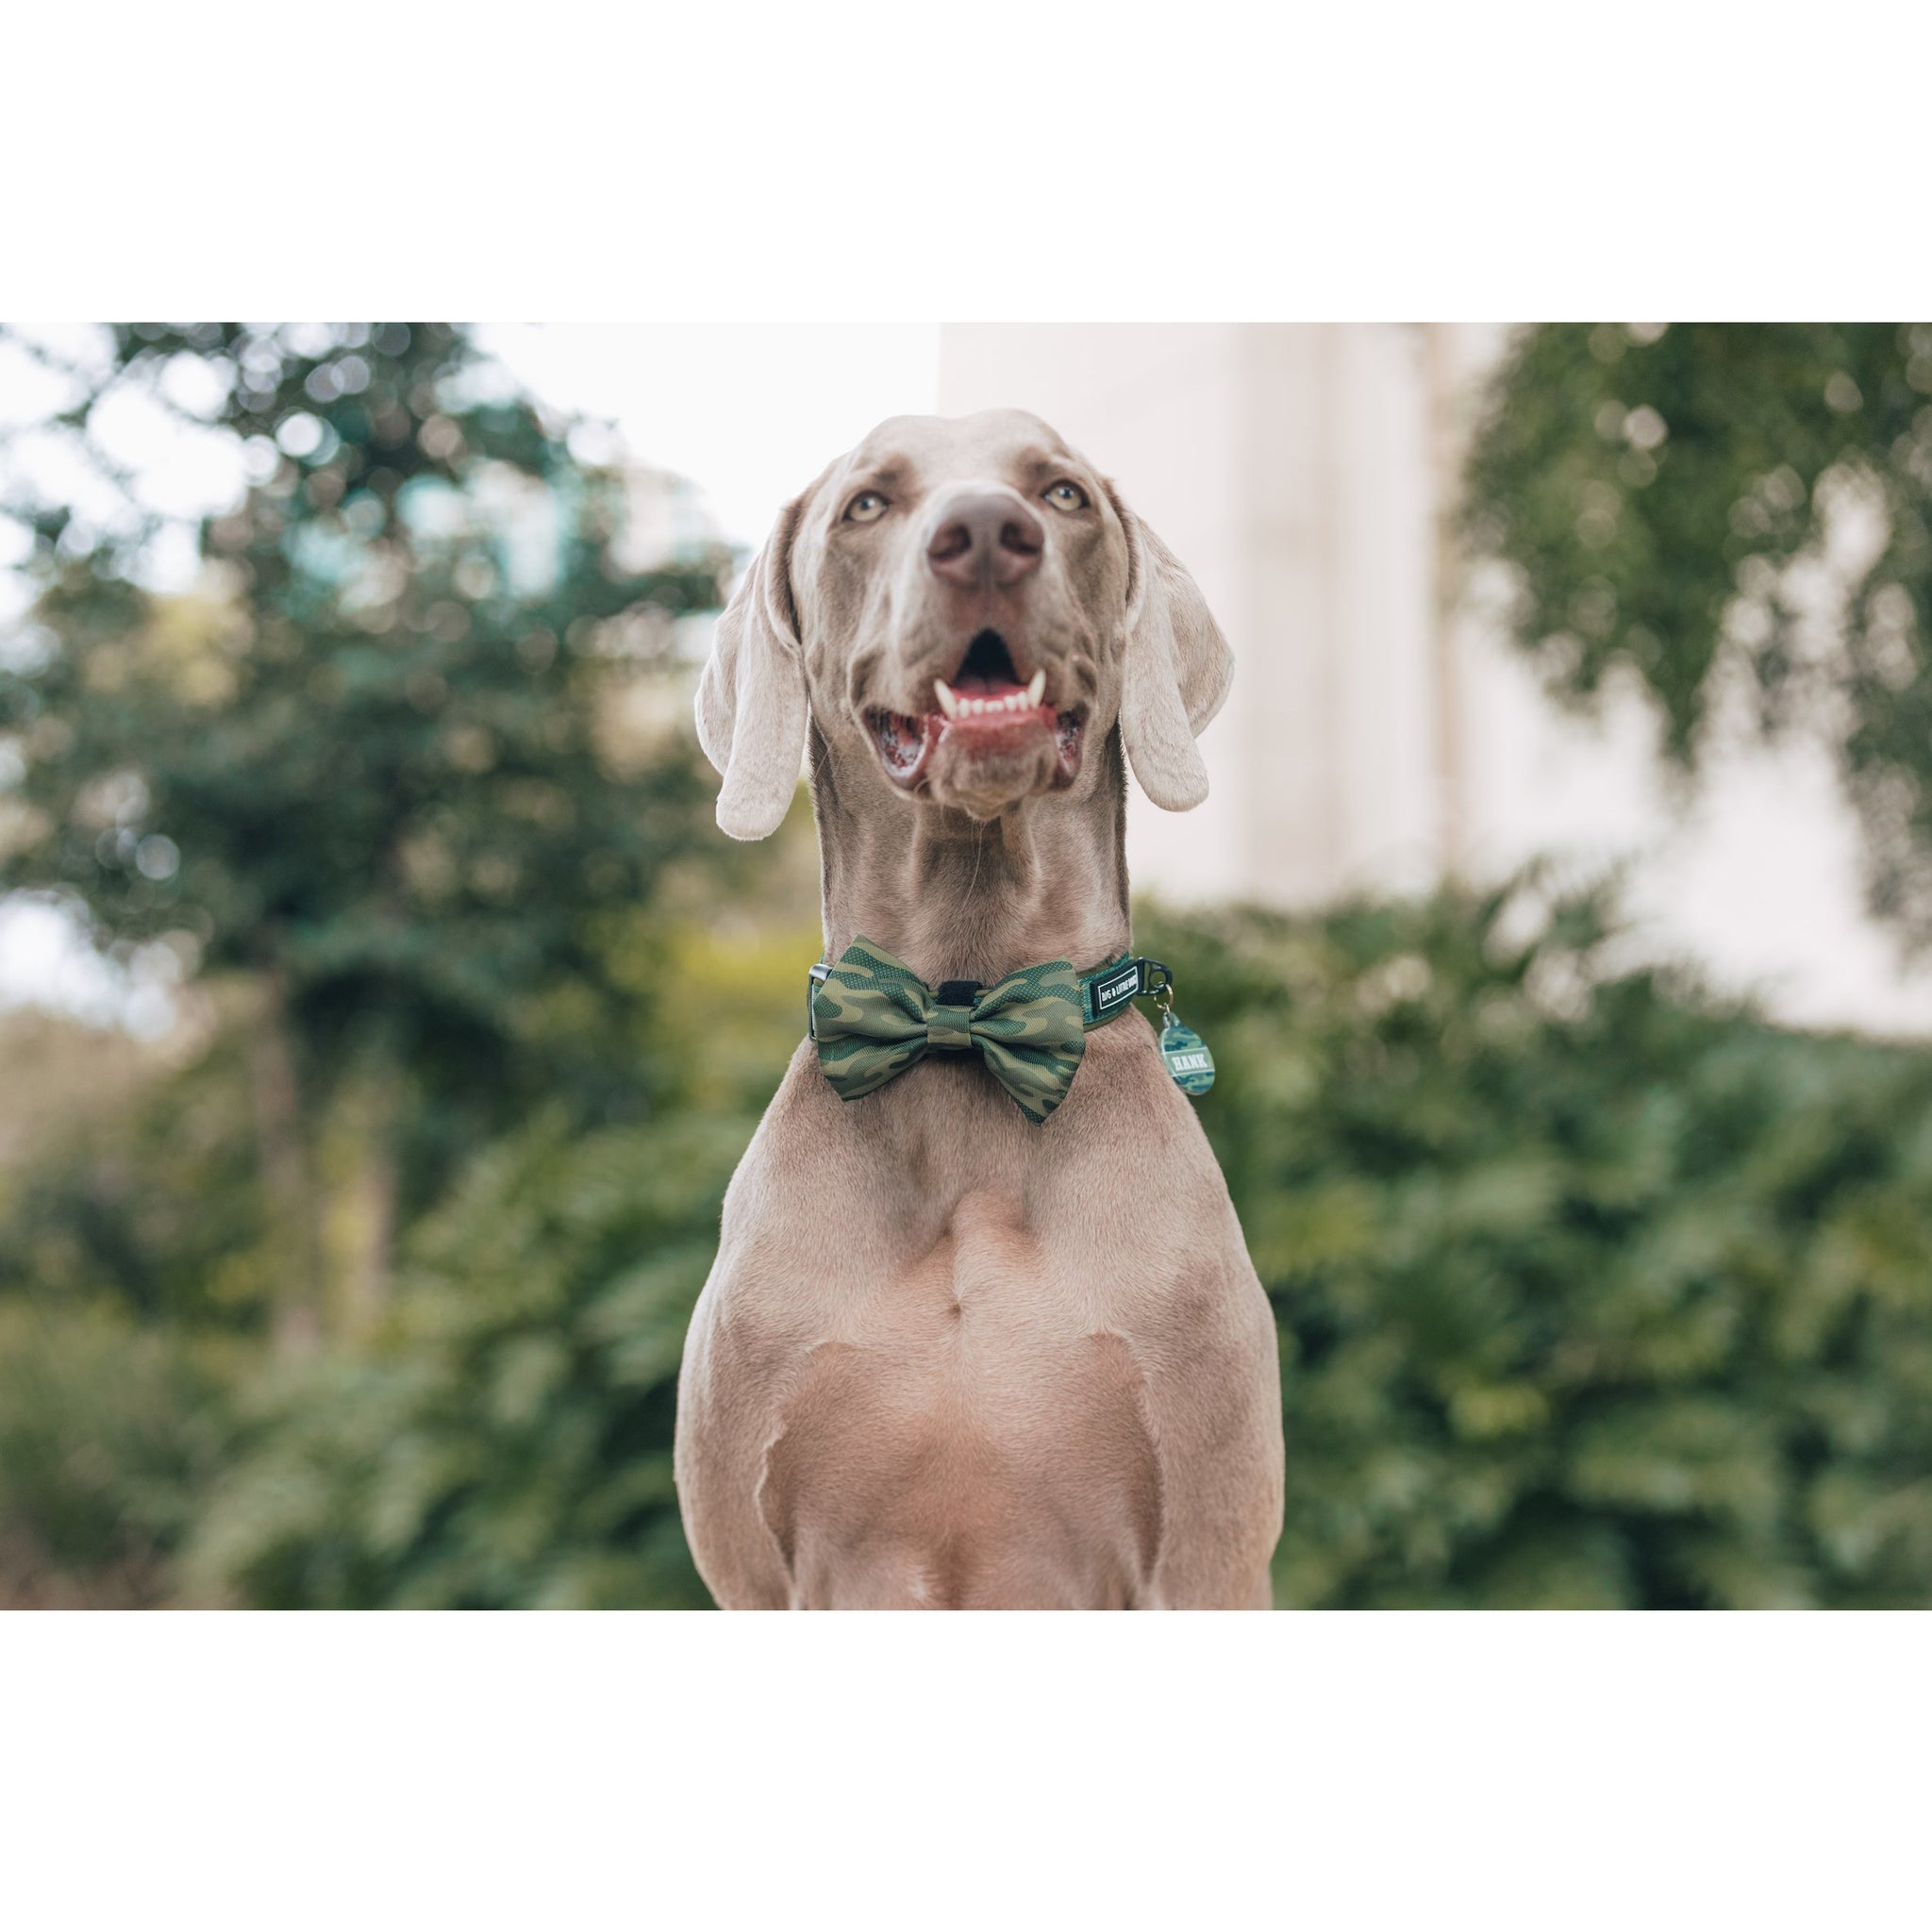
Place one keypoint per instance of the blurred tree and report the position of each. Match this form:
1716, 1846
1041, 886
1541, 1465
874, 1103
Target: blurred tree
375, 762
1739, 517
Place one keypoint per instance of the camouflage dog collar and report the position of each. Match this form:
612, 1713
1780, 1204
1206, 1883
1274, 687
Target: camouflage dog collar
871, 1017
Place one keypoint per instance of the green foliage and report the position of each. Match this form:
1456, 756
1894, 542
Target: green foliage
508, 1442
504, 1439
111, 1434
502, 1436
1590, 1293
146, 1195
1665, 498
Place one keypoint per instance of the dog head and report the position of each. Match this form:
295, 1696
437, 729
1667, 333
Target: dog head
962, 606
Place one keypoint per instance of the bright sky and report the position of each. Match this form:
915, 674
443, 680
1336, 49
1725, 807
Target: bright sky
751, 411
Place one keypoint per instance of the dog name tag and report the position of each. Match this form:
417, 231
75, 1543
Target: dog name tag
1189, 1062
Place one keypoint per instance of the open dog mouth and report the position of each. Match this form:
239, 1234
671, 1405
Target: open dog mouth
984, 708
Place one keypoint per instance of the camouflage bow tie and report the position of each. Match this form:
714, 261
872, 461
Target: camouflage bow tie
872, 1017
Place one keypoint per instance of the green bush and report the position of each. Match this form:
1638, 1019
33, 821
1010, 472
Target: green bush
1591, 1291
508, 1442
109, 1434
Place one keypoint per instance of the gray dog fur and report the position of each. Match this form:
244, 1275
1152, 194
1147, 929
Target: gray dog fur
946, 1357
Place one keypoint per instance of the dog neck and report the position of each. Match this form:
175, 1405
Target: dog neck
960, 899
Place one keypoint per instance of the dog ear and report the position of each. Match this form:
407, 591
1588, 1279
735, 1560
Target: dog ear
751, 703
1177, 670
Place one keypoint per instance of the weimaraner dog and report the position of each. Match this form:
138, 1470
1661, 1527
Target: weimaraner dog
964, 1347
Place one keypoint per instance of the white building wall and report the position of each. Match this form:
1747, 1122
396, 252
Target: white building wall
1379, 733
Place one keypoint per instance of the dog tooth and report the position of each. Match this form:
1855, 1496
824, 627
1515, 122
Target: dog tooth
948, 703
1037, 690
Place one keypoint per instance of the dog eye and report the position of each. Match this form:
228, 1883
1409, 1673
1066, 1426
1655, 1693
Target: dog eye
866, 508
1066, 496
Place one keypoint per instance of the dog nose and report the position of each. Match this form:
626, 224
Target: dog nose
986, 540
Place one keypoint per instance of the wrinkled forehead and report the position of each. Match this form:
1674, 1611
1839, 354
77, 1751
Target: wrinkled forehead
919, 453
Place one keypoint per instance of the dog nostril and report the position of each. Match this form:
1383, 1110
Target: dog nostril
1020, 543
952, 541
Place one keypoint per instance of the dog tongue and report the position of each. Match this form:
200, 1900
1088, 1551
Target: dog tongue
975, 687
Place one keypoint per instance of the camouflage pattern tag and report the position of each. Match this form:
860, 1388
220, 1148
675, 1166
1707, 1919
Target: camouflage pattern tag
1189, 1062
